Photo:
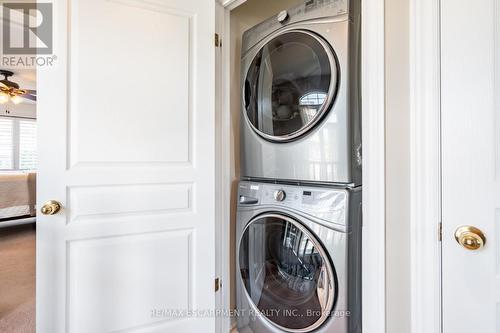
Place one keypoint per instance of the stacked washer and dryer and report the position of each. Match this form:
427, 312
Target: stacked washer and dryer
298, 234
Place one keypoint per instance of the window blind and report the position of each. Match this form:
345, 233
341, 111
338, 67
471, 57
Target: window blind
6, 143
27, 145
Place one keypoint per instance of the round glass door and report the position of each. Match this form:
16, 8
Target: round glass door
290, 85
286, 273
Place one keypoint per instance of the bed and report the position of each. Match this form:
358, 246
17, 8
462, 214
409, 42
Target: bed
17, 195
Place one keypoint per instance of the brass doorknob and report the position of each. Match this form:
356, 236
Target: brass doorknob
50, 207
470, 237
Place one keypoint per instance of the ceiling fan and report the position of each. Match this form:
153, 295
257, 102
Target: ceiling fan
10, 91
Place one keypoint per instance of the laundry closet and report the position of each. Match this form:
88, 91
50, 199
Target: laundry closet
295, 154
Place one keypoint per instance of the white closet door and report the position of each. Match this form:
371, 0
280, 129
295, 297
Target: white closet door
471, 164
126, 145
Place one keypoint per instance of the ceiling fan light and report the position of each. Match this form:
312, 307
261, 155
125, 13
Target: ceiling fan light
16, 99
4, 98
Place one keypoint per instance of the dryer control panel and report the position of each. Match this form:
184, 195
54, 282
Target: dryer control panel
307, 11
329, 204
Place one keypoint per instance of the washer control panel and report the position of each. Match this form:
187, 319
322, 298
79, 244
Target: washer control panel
329, 204
281, 195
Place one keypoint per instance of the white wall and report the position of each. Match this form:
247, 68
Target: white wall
242, 18
397, 166
20, 110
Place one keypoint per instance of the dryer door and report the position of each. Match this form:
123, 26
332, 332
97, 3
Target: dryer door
290, 85
286, 273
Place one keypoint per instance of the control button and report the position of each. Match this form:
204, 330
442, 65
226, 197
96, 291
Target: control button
282, 16
279, 195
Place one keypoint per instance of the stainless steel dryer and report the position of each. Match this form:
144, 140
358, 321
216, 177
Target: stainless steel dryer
301, 96
298, 259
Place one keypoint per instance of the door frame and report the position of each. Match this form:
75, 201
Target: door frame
373, 126
425, 165
223, 170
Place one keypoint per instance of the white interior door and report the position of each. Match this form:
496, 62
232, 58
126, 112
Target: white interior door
126, 126
471, 163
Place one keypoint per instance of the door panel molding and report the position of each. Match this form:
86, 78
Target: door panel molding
98, 204
425, 156
139, 86
91, 281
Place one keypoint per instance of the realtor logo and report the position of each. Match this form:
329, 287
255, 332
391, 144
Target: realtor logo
27, 28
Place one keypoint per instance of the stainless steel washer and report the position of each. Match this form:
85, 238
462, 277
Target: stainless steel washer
298, 259
301, 101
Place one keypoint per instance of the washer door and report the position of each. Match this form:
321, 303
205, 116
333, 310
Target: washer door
286, 273
290, 85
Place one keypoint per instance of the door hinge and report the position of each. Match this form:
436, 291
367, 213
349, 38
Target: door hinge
218, 40
440, 231
218, 284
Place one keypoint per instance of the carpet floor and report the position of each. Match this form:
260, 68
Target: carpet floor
17, 279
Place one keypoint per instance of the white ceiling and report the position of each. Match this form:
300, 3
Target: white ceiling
26, 78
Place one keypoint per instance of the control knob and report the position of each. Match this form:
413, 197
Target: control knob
279, 195
282, 16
